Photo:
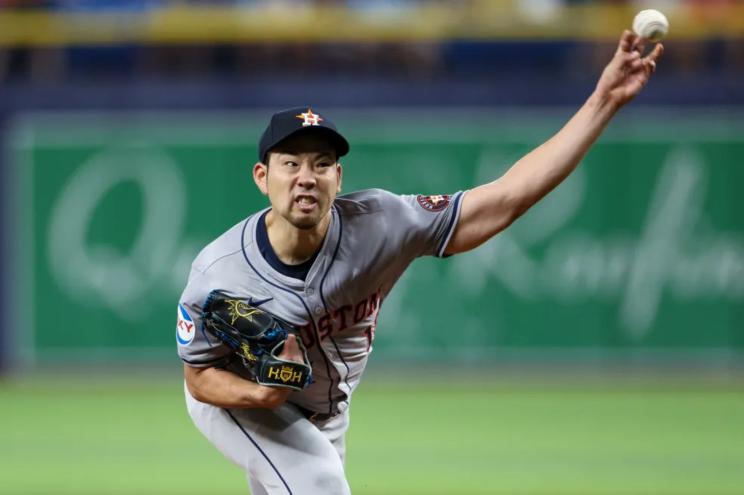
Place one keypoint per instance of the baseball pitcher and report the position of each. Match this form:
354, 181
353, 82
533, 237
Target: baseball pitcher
278, 317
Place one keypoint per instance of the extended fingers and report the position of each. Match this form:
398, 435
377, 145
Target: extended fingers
627, 40
650, 60
631, 42
656, 53
639, 45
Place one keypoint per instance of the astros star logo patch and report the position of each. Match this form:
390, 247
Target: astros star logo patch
309, 118
437, 202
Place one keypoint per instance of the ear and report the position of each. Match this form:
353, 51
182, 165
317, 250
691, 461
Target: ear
261, 177
340, 173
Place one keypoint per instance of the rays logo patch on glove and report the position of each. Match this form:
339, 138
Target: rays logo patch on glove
258, 338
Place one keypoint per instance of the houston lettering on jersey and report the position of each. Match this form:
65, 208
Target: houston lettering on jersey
339, 319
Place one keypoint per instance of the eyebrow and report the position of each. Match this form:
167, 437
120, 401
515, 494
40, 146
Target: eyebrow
319, 154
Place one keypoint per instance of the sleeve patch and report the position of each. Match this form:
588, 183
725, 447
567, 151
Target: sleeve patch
437, 202
185, 330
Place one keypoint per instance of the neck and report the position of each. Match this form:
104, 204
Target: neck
292, 245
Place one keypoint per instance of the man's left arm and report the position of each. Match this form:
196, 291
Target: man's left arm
490, 208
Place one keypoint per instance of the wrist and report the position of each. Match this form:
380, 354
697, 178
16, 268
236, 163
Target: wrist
603, 103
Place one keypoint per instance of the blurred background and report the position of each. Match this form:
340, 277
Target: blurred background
597, 346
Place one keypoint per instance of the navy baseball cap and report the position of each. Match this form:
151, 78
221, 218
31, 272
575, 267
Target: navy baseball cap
299, 120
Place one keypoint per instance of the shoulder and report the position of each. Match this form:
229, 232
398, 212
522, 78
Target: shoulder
366, 201
222, 250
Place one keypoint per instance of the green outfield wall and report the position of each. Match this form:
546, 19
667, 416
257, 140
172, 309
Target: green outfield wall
639, 253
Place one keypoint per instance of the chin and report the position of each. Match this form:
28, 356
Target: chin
305, 223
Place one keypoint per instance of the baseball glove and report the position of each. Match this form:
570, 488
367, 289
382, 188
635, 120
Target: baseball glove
257, 337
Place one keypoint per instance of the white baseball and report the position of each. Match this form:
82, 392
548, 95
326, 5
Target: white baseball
651, 24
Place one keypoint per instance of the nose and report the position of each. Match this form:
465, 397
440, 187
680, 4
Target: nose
306, 177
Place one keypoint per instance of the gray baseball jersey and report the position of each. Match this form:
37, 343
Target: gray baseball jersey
373, 237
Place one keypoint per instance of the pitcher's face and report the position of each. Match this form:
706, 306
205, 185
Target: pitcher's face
301, 180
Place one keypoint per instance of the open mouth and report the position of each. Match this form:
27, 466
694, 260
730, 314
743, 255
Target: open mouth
306, 204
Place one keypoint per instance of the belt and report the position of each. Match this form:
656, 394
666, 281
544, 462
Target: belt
316, 416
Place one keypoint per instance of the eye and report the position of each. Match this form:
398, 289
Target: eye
290, 163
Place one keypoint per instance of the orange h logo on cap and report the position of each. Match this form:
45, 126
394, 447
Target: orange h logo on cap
309, 118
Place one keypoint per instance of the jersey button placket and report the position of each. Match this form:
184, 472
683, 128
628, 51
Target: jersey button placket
317, 308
